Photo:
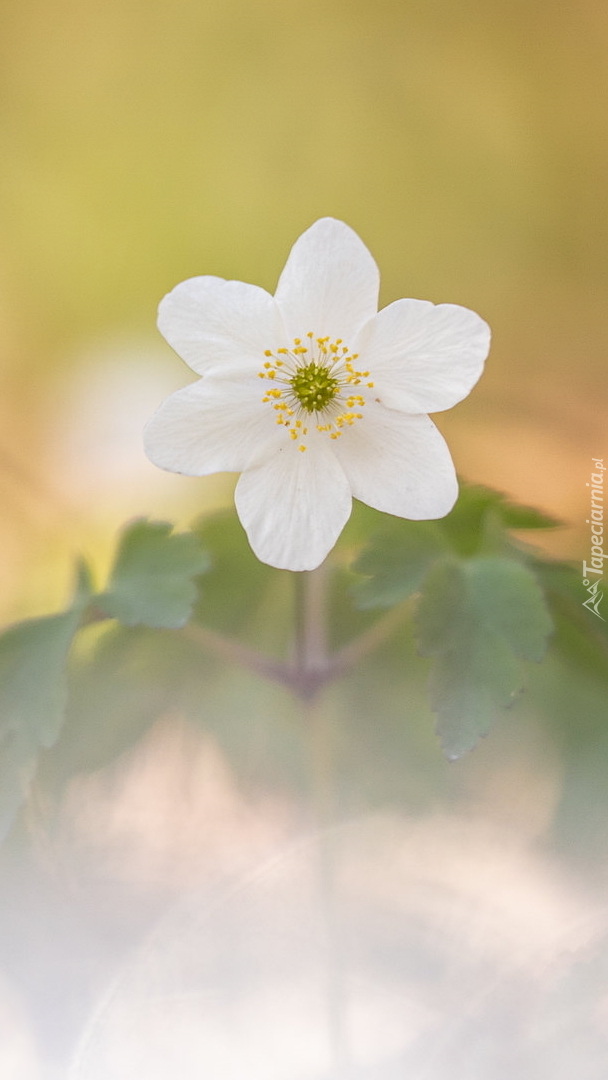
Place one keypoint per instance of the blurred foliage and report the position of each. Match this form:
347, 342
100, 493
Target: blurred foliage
395, 564
151, 582
235, 590
466, 595
74, 718
33, 695
477, 619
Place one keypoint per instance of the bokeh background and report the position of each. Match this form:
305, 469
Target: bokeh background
143, 143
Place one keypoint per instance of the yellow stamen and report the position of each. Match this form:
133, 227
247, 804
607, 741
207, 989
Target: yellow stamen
315, 379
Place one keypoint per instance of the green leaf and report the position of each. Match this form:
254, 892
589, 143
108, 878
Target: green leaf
397, 557
152, 580
477, 619
33, 694
465, 526
527, 517
119, 685
238, 583
581, 637
395, 562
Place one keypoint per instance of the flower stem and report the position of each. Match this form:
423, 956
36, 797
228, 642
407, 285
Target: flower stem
367, 642
313, 666
237, 652
311, 660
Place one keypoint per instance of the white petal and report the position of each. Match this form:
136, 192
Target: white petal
217, 424
294, 506
399, 464
209, 321
425, 357
330, 283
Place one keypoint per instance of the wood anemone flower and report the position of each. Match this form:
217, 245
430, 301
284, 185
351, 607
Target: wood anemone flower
315, 396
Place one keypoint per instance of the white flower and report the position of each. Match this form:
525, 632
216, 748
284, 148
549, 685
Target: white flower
315, 396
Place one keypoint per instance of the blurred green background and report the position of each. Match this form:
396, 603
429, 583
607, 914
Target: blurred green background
145, 143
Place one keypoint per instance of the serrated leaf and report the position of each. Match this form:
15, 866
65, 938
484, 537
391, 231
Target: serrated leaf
118, 689
33, 695
478, 618
581, 637
440, 611
32, 655
397, 557
152, 580
467, 687
395, 562
465, 526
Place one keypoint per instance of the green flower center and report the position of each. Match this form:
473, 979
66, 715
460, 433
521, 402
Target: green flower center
313, 386
317, 381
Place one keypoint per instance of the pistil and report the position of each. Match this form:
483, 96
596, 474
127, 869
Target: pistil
314, 381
